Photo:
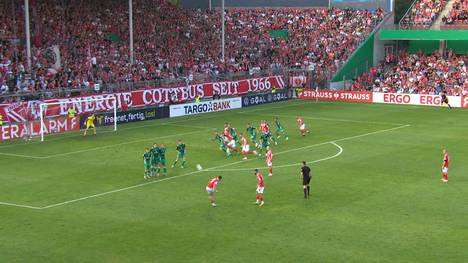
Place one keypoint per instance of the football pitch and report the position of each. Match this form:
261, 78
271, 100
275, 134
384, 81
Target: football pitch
376, 194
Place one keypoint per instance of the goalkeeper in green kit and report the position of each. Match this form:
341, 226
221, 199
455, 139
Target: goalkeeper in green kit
180, 154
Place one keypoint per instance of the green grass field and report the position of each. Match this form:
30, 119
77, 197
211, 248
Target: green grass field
379, 199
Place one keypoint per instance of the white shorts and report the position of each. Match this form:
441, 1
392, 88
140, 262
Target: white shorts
209, 190
302, 127
260, 189
270, 164
246, 148
445, 170
232, 144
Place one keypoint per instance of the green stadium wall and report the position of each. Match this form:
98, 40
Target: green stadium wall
424, 46
359, 62
459, 47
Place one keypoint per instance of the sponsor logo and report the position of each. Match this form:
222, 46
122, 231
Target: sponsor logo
19, 130
207, 107
337, 95
397, 98
252, 100
130, 116
416, 99
204, 107
465, 102
18, 112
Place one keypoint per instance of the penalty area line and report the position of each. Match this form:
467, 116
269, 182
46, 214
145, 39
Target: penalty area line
340, 151
100, 147
19, 205
196, 172
133, 186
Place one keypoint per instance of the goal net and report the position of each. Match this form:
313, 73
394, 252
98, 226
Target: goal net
71, 116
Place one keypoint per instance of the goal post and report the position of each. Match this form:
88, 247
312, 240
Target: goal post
54, 116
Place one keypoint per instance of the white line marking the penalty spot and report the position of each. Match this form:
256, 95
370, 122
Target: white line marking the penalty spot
205, 170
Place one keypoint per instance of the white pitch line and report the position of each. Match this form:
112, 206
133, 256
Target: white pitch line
119, 144
325, 119
78, 133
136, 186
209, 169
188, 126
340, 151
18, 205
289, 104
21, 155
100, 147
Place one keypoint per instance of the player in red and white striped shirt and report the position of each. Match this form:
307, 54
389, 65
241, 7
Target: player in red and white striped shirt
230, 142
269, 161
245, 147
211, 188
445, 166
264, 127
302, 126
260, 188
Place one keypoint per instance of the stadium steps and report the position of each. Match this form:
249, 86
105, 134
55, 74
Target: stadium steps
447, 8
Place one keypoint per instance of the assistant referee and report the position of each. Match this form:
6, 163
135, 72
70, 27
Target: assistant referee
306, 176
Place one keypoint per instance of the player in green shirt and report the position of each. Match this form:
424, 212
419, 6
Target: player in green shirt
180, 154
233, 133
222, 146
253, 133
280, 129
155, 160
147, 163
265, 143
162, 159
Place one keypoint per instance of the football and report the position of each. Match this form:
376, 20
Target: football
199, 167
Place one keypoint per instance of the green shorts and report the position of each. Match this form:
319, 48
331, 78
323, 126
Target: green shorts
280, 130
147, 165
162, 162
155, 162
253, 138
180, 155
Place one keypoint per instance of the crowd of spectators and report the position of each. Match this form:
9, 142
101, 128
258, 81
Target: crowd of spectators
417, 73
458, 15
90, 40
423, 14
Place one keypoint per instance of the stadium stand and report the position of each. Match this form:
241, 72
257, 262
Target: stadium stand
458, 15
422, 14
417, 74
91, 39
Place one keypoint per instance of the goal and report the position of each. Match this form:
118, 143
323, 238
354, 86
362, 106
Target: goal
55, 118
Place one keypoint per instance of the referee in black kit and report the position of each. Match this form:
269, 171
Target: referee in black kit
305, 171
